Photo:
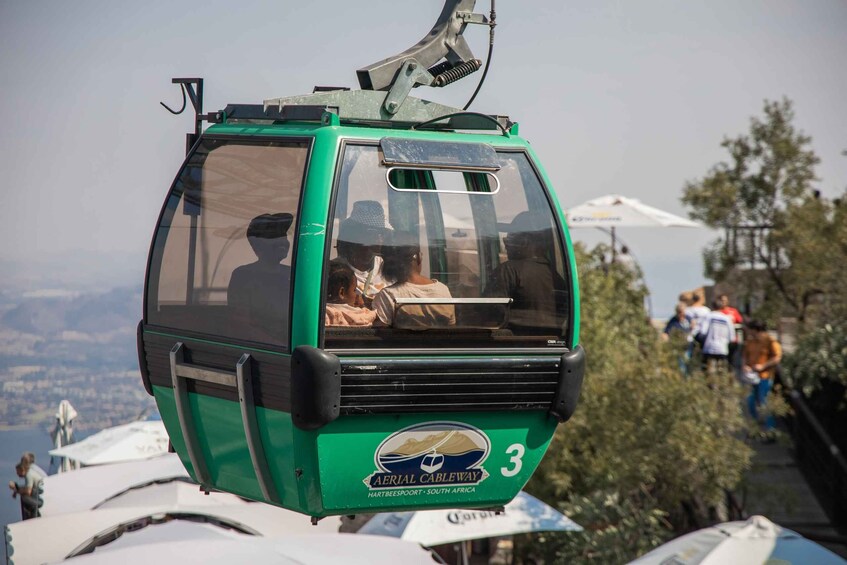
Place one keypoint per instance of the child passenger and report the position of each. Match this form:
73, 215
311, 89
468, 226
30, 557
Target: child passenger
403, 264
344, 306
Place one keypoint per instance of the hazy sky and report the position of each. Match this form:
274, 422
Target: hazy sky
616, 97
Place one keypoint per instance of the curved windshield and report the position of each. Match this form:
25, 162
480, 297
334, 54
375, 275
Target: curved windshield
429, 258
221, 261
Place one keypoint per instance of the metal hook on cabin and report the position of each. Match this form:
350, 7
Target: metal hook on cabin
181, 110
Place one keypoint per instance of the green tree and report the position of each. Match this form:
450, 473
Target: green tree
777, 230
821, 356
813, 238
648, 452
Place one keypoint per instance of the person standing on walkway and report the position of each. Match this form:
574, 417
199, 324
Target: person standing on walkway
677, 323
29, 489
30, 457
762, 354
696, 312
732, 312
678, 328
738, 319
716, 332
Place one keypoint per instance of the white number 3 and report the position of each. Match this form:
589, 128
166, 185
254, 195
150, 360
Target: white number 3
518, 451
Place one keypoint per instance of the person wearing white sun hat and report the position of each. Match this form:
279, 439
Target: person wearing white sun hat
360, 239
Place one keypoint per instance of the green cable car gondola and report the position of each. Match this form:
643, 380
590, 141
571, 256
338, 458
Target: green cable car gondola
358, 301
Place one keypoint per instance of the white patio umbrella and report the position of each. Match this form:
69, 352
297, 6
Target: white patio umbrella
523, 515
174, 530
756, 541
226, 548
85, 488
616, 211
128, 442
53, 538
63, 433
162, 492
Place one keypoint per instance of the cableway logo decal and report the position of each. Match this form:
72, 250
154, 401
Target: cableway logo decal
432, 454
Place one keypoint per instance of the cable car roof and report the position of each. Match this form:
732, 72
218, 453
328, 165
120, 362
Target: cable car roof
360, 107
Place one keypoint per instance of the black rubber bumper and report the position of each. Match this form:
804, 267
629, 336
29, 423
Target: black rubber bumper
571, 374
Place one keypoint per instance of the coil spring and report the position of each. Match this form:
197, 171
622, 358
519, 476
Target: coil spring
457, 72
440, 68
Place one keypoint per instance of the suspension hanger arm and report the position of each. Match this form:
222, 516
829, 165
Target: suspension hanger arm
444, 41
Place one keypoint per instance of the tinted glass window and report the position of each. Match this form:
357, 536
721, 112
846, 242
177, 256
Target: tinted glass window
222, 254
441, 258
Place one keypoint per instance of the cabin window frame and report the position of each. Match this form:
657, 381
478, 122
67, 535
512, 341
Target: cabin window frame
393, 350
564, 239
151, 284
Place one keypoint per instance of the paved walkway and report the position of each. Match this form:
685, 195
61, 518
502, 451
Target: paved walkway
776, 489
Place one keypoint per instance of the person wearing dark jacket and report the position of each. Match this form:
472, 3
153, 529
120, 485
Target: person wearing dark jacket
537, 291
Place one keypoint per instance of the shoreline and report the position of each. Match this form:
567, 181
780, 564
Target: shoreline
23, 427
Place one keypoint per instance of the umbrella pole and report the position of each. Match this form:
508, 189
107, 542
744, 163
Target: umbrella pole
613, 244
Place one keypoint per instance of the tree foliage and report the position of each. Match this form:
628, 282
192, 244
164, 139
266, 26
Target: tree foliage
645, 443
778, 232
821, 356
814, 238
620, 528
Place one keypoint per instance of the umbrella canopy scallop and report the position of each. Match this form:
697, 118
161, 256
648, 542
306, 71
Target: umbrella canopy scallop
226, 548
615, 211
754, 541
523, 515
129, 442
84, 489
58, 537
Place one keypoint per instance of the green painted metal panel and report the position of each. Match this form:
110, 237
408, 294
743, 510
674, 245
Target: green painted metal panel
336, 470
287, 129
308, 272
353, 481
222, 441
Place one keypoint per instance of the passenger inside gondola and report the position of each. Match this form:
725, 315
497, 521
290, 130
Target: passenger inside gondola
403, 263
528, 277
259, 291
360, 238
344, 305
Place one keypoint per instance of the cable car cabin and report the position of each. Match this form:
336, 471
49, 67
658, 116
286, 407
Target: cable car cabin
350, 312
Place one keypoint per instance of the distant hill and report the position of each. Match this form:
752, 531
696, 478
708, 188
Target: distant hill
57, 344
67, 331
96, 313
79, 272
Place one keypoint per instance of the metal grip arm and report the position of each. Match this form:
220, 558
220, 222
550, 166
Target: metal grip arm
443, 41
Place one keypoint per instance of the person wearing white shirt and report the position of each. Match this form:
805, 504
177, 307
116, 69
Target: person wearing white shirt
716, 331
696, 313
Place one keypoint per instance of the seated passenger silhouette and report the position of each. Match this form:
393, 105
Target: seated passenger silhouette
528, 278
344, 305
260, 290
403, 264
360, 238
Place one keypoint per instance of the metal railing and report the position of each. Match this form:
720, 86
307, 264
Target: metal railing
820, 460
